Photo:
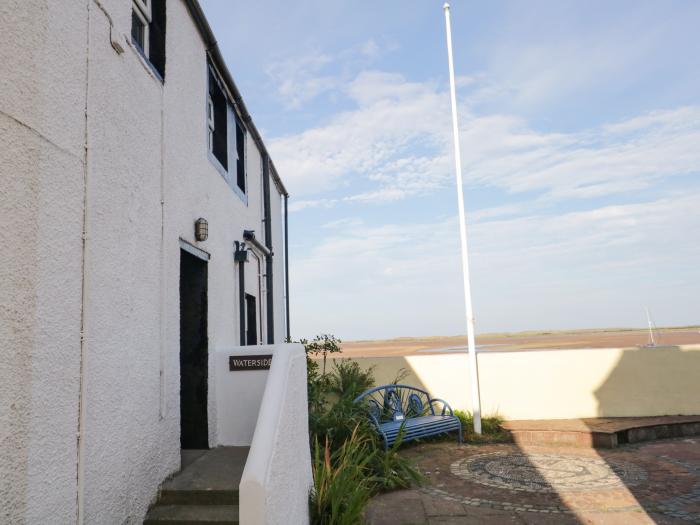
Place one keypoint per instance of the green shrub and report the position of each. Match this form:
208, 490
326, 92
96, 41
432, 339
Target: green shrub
342, 482
390, 470
338, 421
351, 466
322, 344
492, 430
347, 380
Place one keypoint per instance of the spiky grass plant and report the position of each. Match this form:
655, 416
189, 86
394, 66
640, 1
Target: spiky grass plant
342, 481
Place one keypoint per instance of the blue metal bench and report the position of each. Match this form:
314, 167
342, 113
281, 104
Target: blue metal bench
395, 409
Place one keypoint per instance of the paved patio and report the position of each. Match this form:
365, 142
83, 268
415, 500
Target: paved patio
653, 482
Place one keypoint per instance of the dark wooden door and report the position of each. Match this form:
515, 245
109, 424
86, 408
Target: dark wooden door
251, 320
194, 355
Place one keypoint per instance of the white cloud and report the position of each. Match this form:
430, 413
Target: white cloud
298, 205
398, 139
347, 222
395, 120
527, 272
298, 79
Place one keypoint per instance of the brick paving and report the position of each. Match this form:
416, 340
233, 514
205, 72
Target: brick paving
652, 482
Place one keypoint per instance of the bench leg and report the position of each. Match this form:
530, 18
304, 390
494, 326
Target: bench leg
459, 435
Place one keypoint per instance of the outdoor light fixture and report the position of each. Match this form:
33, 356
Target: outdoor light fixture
241, 253
201, 229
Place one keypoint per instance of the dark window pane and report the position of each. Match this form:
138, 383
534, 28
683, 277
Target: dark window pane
220, 139
156, 37
240, 149
137, 30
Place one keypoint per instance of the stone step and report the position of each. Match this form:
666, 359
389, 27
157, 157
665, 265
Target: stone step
204, 491
609, 432
198, 497
192, 515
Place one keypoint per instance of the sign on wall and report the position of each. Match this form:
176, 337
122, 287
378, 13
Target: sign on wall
239, 363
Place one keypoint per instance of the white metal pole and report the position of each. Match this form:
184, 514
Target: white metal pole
473, 365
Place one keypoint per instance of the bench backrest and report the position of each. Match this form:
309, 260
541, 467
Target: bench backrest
395, 402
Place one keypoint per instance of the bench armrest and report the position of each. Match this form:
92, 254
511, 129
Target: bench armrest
445, 406
373, 419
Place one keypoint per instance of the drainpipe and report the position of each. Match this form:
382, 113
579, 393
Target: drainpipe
286, 262
241, 256
268, 258
249, 237
82, 387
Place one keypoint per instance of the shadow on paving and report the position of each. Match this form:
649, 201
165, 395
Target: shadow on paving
644, 483
663, 477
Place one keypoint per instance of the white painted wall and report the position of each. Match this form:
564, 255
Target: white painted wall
559, 384
42, 101
238, 396
62, 87
275, 486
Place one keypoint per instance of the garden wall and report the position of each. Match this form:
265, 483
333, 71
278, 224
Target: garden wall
559, 384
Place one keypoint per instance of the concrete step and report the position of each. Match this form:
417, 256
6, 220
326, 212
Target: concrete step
192, 515
198, 497
208, 477
604, 432
204, 491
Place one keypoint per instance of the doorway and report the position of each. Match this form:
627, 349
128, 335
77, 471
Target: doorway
251, 320
194, 354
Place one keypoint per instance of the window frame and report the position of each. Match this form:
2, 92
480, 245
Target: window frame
211, 123
145, 20
244, 133
233, 121
153, 25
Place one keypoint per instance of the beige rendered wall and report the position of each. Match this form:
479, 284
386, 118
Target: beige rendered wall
560, 384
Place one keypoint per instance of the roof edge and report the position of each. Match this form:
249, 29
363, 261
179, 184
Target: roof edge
207, 34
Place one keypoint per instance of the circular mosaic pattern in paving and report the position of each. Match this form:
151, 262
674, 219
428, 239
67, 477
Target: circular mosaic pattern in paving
547, 472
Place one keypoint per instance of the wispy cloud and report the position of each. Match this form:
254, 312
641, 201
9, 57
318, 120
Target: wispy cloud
298, 205
398, 139
559, 260
300, 78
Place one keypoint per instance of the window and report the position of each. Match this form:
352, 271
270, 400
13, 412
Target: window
210, 123
148, 31
226, 135
240, 156
217, 124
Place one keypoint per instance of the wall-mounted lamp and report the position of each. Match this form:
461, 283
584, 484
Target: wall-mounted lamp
240, 254
201, 229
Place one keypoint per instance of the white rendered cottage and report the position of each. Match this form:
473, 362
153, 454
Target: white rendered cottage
143, 245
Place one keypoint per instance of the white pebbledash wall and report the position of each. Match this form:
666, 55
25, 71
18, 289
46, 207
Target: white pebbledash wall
92, 141
42, 163
275, 485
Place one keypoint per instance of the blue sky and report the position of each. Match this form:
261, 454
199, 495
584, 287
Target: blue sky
580, 128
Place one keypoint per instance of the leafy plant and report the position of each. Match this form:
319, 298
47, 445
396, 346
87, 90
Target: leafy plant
351, 466
492, 430
322, 344
342, 481
348, 380
392, 471
400, 376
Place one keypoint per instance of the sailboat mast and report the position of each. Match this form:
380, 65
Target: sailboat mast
652, 341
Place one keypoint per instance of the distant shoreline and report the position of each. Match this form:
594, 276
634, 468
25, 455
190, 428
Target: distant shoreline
590, 338
527, 333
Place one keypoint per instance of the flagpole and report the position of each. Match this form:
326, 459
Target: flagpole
473, 366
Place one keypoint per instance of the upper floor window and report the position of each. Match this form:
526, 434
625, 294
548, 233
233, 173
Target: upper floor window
148, 31
217, 121
240, 155
226, 135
